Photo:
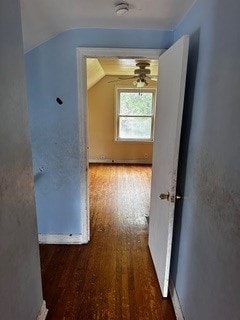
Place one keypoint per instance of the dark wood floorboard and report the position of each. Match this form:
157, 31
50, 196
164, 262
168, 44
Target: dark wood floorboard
112, 277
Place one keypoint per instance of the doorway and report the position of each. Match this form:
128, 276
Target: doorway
170, 98
82, 55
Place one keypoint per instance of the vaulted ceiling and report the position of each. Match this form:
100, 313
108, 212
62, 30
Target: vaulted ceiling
43, 19
98, 68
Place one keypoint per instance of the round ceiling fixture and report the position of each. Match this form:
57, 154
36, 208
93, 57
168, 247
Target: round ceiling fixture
122, 8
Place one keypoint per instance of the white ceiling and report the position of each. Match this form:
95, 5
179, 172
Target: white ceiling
43, 19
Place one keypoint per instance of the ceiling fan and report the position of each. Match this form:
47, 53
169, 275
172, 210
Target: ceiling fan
142, 73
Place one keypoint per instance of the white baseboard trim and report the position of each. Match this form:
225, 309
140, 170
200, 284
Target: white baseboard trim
61, 238
134, 161
175, 301
43, 311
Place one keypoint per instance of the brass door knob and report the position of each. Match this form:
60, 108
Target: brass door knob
164, 196
174, 198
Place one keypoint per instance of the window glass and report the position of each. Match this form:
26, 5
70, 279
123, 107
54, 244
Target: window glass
135, 127
135, 103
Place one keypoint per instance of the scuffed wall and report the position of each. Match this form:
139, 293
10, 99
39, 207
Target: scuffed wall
206, 251
20, 280
52, 72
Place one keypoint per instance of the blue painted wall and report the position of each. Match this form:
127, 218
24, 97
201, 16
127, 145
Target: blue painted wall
206, 251
52, 72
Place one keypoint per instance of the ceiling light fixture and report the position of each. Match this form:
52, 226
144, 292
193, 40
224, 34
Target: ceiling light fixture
122, 8
140, 83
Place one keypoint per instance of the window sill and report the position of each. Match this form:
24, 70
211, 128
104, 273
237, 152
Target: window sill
134, 140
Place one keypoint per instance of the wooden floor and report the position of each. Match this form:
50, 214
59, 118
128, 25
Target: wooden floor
112, 277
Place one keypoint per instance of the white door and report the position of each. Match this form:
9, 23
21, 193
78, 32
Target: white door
170, 97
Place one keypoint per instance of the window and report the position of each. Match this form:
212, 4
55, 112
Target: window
135, 114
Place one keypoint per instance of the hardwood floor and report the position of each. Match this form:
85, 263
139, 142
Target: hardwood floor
112, 277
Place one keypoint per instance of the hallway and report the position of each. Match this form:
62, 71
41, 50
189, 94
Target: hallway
112, 277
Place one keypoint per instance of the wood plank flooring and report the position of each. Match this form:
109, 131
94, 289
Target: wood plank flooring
112, 277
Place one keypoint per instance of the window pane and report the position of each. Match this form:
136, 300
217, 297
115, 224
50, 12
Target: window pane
135, 103
135, 127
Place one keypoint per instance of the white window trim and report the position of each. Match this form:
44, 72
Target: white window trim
117, 116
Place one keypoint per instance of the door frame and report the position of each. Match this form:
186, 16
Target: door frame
82, 54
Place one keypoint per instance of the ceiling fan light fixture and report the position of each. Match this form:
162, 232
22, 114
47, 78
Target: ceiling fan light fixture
121, 8
140, 83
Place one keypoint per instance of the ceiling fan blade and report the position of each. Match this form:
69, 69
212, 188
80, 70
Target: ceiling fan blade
153, 78
120, 79
127, 78
114, 80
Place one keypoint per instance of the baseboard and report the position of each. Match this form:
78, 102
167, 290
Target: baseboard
175, 301
43, 312
61, 238
134, 161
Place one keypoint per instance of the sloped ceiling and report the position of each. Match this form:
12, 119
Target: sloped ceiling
98, 68
43, 19
125, 67
95, 72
